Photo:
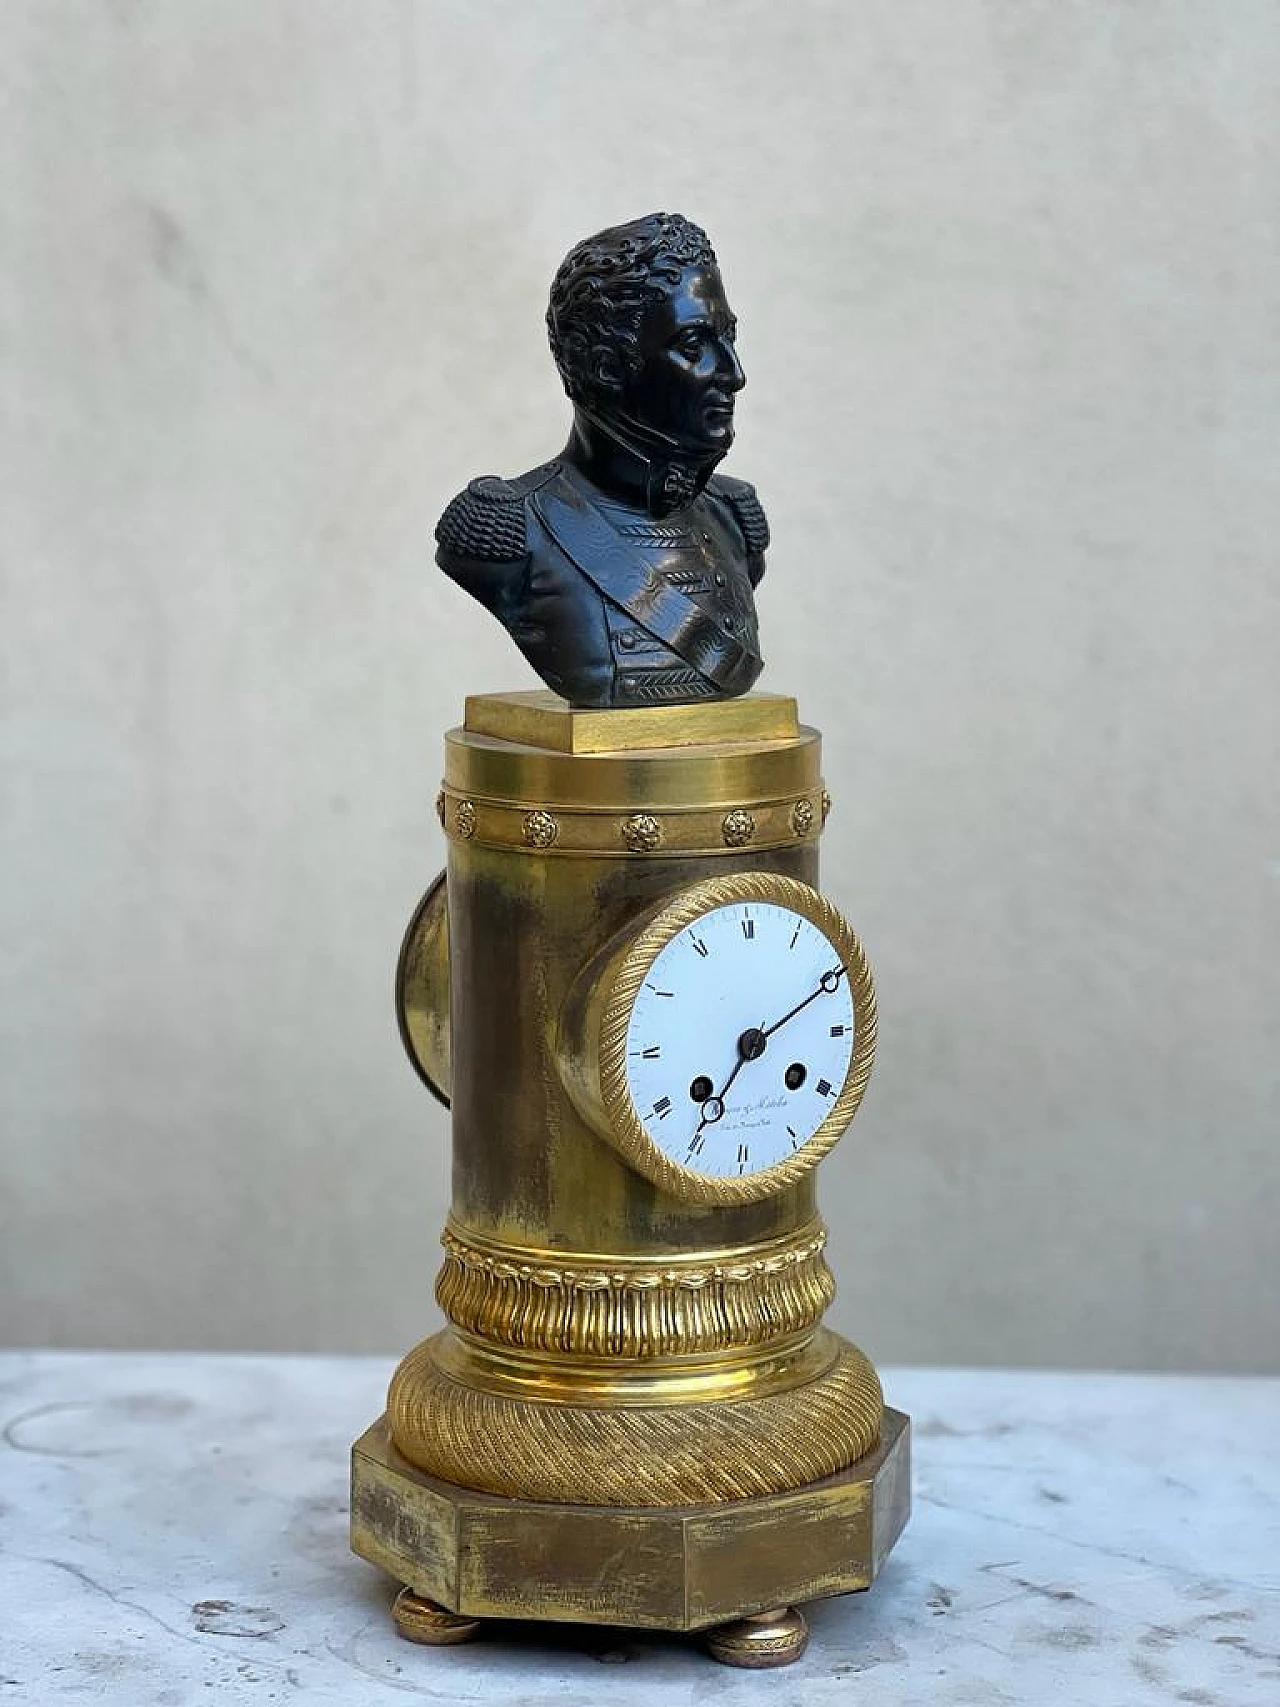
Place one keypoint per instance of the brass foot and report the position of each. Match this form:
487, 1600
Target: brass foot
420, 1620
765, 1639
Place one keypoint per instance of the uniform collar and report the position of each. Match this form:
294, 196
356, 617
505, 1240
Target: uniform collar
631, 462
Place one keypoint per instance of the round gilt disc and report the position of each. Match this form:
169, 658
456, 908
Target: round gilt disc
421, 1620
764, 1640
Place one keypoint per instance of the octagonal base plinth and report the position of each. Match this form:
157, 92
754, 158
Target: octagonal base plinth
654, 1567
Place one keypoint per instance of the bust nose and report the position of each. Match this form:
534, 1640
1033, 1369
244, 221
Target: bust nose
735, 379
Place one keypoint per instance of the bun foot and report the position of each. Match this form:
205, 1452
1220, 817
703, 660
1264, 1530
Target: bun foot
420, 1620
765, 1639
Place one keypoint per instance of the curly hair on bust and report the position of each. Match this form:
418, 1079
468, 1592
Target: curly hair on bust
603, 286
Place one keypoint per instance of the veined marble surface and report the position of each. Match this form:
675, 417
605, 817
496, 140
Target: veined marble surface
173, 1530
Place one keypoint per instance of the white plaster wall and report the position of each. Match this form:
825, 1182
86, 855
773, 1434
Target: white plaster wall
271, 286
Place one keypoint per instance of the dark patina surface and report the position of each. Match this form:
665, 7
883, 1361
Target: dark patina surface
624, 569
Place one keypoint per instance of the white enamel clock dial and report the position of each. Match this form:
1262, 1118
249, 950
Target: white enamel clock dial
740, 1039
722, 1043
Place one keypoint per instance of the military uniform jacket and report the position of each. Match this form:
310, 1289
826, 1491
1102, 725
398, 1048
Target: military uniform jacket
610, 605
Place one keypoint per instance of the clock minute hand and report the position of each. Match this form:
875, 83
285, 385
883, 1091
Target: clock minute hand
827, 984
754, 1040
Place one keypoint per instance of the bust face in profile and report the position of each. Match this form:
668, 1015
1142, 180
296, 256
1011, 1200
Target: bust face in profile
624, 568
645, 341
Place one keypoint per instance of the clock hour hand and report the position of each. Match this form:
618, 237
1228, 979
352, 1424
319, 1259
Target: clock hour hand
750, 1048
827, 985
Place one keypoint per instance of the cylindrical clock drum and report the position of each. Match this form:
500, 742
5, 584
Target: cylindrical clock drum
650, 1026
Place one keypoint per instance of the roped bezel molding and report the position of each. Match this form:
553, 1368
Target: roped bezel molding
626, 1130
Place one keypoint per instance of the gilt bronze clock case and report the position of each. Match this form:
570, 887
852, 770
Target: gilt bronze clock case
634, 1414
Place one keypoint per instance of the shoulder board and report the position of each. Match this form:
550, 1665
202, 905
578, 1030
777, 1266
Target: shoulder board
740, 495
485, 523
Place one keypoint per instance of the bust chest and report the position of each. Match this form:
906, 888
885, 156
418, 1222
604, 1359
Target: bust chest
661, 600
699, 552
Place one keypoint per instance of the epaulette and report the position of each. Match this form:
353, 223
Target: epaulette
747, 510
485, 523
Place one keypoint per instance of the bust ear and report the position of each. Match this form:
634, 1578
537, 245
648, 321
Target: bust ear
606, 369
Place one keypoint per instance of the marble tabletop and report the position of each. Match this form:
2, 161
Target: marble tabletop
173, 1529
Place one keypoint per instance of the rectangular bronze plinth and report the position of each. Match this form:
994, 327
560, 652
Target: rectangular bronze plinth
543, 719
659, 1568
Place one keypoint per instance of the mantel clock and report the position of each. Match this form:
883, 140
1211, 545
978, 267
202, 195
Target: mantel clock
650, 1026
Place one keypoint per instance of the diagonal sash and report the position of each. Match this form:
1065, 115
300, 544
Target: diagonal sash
616, 569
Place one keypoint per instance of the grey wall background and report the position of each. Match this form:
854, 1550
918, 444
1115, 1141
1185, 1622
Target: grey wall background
271, 291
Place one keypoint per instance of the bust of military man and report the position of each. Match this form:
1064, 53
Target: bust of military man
624, 568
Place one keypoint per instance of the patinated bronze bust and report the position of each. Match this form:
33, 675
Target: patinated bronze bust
624, 568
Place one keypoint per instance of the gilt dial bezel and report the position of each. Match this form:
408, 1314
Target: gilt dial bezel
627, 1129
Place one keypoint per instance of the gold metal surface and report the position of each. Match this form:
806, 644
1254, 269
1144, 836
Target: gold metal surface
551, 1378
593, 1042
422, 990
642, 832
634, 1415
542, 719
529, 1170
714, 777
646, 1434
419, 1620
539, 829
637, 1307
660, 1568
766, 1639
739, 827
595, 831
